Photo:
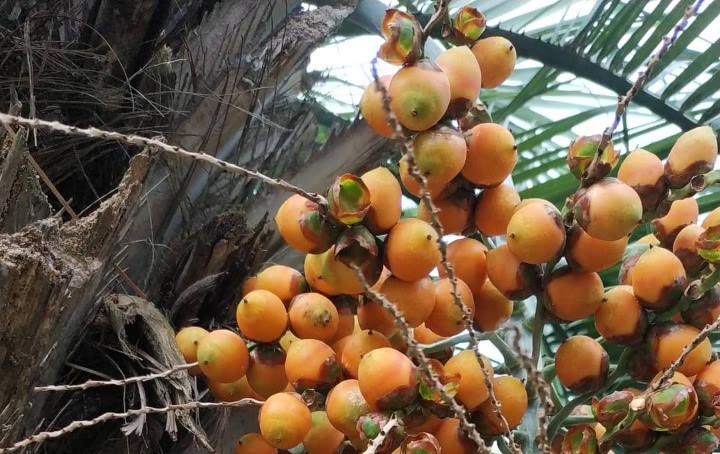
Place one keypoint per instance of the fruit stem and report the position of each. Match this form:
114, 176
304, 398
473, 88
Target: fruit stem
698, 183
698, 288
511, 361
565, 411
538, 328
441, 11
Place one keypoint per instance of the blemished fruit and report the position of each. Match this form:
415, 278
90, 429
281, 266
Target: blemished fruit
223, 356
494, 208
581, 364
385, 200
463, 73
372, 316
387, 379
322, 438
266, 373
297, 222
440, 154
668, 341
658, 279
454, 212
713, 218
261, 316
707, 385
313, 316
254, 443
513, 399
446, 317
491, 155
682, 213
471, 391
411, 249
514, 279
580, 439
187, 340
467, 256
283, 281
314, 275
705, 310
419, 95
371, 108
284, 420
573, 295
536, 234
312, 364
344, 405
608, 210
496, 57
492, 308
685, 248
694, 152
452, 439
586, 253
620, 319
360, 344
643, 171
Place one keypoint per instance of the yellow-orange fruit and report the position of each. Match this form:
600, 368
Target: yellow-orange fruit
372, 316
581, 364
703, 311
463, 73
494, 208
707, 385
346, 319
261, 316
411, 249
454, 212
284, 420
360, 344
283, 281
288, 218
608, 210
496, 57
713, 218
643, 171
685, 248
491, 155
514, 279
513, 399
313, 273
249, 285
323, 437
452, 439
446, 317
471, 391
648, 239
682, 213
313, 316
414, 299
492, 308
387, 379
536, 233
694, 152
222, 356
425, 335
371, 108
385, 200
586, 253
668, 341
658, 279
345, 405
440, 154
254, 443
620, 319
467, 256
419, 95
266, 373
339, 345
287, 339
311, 363
233, 391
573, 295
187, 340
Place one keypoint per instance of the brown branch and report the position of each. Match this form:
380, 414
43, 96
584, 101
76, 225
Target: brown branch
126, 381
141, 141
105, 417
596, 170
416, 352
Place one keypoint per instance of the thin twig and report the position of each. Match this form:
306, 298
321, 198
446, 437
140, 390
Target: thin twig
441, 9
141, 141
105, 417
442, 246
416, 352
593, 173
126, 381
377, 442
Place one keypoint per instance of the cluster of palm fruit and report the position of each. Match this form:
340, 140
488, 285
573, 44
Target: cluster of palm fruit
331, 364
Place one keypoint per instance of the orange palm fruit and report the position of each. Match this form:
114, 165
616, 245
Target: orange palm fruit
658, 279
446, 317
387, 379
514, 279
536, 233
254, 443
491, 155
573, 295
668, 341
233, 391
459, 65
311, 363
694, 152
685, 248
586, 253
323, 437
411, 249
496, 57
223, 356
414, 299
385, 200
492, 308
467, 256
682, 213
187, 340
494, 208
284, 420
581, 364
419, 95
283, 281
313, 316
261, 316
471, 391
454, 212
608, 210
360, 344
452, 439
345, 405
266, 373
513, 399
620, 319
643, 171
371, 107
